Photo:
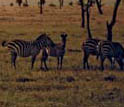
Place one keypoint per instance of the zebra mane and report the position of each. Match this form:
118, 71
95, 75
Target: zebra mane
46, 38
42, 36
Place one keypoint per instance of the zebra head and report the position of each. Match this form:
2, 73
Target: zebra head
4, 43
64, 36
44, 38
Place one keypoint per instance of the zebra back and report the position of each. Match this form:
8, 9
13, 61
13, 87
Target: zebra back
45, 40
20, 47
90, 46
111, 49
29, 48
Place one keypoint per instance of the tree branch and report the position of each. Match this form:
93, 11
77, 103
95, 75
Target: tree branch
99, 6
113, 21
82, 13
88, 19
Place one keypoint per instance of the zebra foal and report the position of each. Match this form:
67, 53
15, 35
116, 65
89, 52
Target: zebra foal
111, 50
57, 51
27, 48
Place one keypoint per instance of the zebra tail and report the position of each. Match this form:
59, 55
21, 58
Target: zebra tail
4, 43
98, 48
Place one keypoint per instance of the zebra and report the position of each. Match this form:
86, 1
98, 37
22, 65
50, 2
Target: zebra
24, 48
89, 47
111, 50
57, 51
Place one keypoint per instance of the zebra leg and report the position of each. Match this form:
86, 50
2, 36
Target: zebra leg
61, 62
46, 68
85, 61
41, 67
120, 63
44, 59
33, 60
102, 63
57, 62
112, 62
13, 59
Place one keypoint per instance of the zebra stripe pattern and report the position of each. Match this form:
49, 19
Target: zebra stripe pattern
27, 48
89, 47
113, 51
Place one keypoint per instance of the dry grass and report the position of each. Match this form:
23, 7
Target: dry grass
70, 87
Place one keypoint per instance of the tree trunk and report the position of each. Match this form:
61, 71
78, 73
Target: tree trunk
99, 5
88, 19
82, 13
42, 2
113, 21
26, 1
19, 2
61, 3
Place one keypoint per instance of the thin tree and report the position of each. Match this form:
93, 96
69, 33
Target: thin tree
99, 6
88, 19
83, 9
113, 21
42, 2
61, 3
19, 2
26, 2
82, 13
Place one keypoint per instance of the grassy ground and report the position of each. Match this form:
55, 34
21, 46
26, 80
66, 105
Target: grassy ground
70, 87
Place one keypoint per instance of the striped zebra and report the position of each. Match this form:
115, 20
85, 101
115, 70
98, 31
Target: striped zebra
113, 51
27, 48
89, 47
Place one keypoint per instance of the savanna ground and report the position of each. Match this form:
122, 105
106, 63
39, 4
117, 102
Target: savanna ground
72, 86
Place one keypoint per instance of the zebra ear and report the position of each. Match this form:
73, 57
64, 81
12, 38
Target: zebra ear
66, 34
61, 34
3, 43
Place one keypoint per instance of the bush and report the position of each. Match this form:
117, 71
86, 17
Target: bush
11, 4
71, 3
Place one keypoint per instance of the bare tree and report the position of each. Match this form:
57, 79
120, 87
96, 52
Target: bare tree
89, 3
82, 13
42, 2
88, 19
99, 5
61, 2
113, 21
19, 2
26, 2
